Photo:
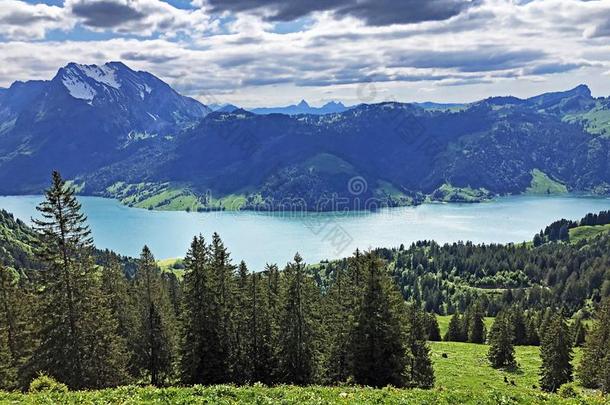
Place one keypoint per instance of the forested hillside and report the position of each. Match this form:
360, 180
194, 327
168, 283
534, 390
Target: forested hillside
132, 137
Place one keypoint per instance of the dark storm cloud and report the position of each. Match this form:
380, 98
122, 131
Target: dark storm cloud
373, 12
105, 13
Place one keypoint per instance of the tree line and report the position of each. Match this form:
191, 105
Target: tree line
82, 321
449, 278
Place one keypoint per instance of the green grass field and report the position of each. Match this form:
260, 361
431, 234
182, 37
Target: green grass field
543, 184
462, 377
587, 232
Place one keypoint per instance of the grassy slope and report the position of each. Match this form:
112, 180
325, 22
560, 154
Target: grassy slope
543, 184
464, 377
587, 232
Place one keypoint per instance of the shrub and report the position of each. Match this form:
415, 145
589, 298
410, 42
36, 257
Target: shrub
568, 391
44, 383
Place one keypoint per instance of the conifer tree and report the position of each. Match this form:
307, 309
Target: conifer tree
223, 289
261, 349
579, 332
454, 332
271, 282
532, 331
419, 371
298, 326
379, 346
15, 330
116, 291
156, 323
593, 368
200, 338
78, 338
241, 312
501, 350
434, 331
476, 329
518, 325
556, 354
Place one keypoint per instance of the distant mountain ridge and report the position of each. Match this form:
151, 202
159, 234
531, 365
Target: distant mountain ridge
120, 133
302, 108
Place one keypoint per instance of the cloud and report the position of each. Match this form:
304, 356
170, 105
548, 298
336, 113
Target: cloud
492, 46
23, 21
141, 18
373, 12
106, 13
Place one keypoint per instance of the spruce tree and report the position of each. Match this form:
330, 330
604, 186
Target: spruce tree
223, 290
454, 332
79, 345
476, 329
117, 293
261, 349
156, 323
556, 354
518, 325
419, 371
379, 344
15, 330
501, 350
339, 318
241, 313
298, 352
434, 331
593, 368
579, 332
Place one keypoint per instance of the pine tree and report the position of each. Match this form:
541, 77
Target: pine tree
434, 331
78, 337
518, 325
15, 330
340, 313
261, 349
556, 354
593, 369
379, 346
156, 323
532, 331
241, 312
223, 288
117, 294
454, 332
501, 350
298, 326
419, 371
476, 329
578, 331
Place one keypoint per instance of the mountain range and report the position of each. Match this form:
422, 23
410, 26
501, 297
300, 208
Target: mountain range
120, 133
303, 108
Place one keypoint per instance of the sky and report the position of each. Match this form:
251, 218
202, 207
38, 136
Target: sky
256, 53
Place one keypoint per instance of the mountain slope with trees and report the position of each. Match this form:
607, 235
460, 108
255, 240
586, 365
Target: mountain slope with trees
128, 135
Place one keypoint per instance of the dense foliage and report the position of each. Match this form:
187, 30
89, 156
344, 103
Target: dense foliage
449, 278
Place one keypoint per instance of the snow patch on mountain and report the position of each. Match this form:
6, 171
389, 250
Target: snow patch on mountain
104, 74
77, 88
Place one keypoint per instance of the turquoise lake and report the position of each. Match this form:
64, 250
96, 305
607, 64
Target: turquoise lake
260, 238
